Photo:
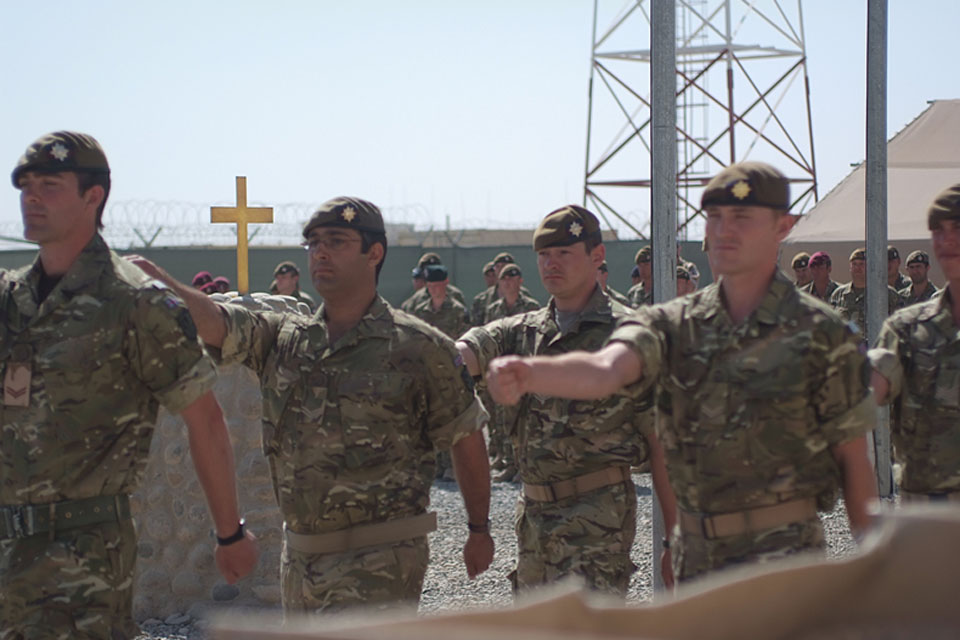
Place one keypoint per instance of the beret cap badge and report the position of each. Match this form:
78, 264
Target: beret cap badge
348, 214
59, 152
576, 229
740, 190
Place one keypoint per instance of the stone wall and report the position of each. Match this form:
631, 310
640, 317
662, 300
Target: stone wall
175, 563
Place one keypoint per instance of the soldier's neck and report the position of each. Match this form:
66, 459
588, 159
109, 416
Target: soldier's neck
58, 256
343, 313
743, 293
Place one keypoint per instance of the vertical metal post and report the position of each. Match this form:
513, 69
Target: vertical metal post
876, 212
663, 193
593, 51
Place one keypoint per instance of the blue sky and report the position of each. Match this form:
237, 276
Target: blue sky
474, 111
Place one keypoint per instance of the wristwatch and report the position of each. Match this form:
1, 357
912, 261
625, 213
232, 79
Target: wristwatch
236, 537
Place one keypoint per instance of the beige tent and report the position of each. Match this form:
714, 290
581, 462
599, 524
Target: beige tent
922, 160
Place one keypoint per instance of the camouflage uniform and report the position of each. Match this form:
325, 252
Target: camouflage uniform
420, 295
901, 283
752, 411
851, 302
350, 430
556, 439
450, 318
639, 296
499, 309
306, 299
918, 351
483, 300
831, 287
909, 299
617, 296
106, 347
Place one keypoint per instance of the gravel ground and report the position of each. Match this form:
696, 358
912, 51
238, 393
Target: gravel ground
446, 586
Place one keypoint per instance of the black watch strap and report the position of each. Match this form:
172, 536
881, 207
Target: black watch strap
479, 528
236, 537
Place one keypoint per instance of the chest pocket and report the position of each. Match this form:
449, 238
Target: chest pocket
378, 418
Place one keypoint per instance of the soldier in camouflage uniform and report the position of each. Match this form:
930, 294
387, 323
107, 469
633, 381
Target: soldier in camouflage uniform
768, 409
511, 302
603, 275
801, 269
921, 289
439, 309
895, 279
420, 293
484, 299
642, 292
577, 515
820, 286
479, 304
917, 367
91, 347
850, 299
356, 401
287, 279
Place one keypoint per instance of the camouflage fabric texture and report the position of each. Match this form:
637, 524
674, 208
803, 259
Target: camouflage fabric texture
451, 318
420, 295
639, 296
918, 351
828, 292
556, 439
851, 302
910, 299
350, 429
616, 296
773, 393
499, 308
106, 348
902, 282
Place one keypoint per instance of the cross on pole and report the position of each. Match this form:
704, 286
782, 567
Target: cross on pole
242, 215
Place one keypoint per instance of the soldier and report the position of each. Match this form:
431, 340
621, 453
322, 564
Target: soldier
201, 279
356, 400
692, 270
577, 514
634, 276
895, 279
439, 309
485, 298
91, 348
419, 283
642, 292
287, 279
917, 367
918, 265
769, 409
820, 286
850, 299
223, 284
603, 274
685, 283
801, 269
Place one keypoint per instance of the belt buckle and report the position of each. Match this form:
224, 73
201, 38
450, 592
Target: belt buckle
706, 527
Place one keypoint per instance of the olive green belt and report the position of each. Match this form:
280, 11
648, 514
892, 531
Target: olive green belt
748, 520
24, 520
936, 496
576, 486
365, 535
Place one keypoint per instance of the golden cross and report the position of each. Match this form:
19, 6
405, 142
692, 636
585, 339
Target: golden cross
242, 215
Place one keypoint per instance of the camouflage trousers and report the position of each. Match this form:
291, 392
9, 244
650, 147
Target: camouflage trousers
694, 556
379, 577
588, 536
77, 586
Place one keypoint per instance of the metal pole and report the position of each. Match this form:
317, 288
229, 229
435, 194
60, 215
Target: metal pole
593, 52
876, 212
663, 192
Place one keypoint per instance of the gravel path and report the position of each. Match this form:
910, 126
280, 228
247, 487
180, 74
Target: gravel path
446, 586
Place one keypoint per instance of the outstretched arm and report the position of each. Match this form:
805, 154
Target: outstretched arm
580, 375
213, 459
211, 326
472, 468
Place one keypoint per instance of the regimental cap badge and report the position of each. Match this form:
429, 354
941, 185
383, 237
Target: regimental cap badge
59, 152
576, 229
740, 189
348, 214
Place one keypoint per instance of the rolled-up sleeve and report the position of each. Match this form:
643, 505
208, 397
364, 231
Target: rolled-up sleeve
885, 358
640, 334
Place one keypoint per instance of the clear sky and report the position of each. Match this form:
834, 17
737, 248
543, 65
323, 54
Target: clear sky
467, 109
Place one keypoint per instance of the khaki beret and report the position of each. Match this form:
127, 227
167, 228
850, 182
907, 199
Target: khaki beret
429, 258
347, 213
919, 256
800, 260
892, 253
62, 151
946, 206
512, 271
748, 184
858, 254
503, 258
487, 268
435, 272
645, 254
286, 267
566, 226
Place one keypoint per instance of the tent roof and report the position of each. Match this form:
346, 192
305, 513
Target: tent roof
922, 159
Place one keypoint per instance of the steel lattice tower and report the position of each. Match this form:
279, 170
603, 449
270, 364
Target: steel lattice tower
742, 93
